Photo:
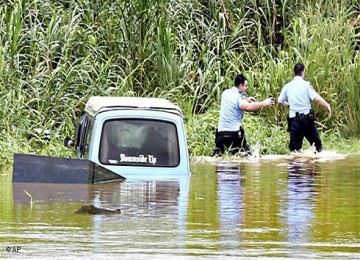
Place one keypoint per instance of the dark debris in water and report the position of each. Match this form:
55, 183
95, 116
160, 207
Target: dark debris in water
92, 210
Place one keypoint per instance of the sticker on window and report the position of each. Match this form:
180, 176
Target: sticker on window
149, 159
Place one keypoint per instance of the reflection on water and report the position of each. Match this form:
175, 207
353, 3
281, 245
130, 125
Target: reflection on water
300, 203
229, 196
281, 208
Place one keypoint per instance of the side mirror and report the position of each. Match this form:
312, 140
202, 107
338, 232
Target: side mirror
68, 142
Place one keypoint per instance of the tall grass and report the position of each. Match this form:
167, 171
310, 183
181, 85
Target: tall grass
55, 54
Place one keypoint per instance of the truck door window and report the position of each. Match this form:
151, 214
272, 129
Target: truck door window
135, 142
87, 139
83, 133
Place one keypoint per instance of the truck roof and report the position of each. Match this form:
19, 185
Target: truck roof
98, 104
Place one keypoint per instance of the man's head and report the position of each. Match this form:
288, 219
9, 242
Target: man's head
299, 69
241, 82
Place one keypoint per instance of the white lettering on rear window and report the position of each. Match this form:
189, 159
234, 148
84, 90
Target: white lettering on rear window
136, 159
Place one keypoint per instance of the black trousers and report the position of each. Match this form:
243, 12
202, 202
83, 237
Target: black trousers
233, 142
300, 128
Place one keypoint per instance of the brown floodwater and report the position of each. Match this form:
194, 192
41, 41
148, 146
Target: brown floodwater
272, 208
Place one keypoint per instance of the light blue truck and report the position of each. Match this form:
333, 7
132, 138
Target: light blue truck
117, 137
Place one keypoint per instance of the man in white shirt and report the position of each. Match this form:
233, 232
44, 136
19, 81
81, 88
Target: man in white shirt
230, 133
298, 94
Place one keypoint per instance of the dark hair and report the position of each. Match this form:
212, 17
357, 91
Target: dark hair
240, 79
298, 69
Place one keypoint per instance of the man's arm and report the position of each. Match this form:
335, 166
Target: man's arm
282, 99
319, 100
254, 106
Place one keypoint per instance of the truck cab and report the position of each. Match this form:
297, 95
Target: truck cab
133, 136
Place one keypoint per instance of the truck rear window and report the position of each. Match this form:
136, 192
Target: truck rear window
135, 142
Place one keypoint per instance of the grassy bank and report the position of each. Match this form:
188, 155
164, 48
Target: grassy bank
55, 54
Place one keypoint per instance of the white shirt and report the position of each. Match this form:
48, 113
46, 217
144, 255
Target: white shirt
298, 93
230, 113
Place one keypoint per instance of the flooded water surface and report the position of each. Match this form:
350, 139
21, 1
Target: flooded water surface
272, 208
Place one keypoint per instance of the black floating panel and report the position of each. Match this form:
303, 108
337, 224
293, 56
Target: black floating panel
47, 169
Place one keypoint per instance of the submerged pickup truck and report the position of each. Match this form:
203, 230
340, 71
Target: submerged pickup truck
125, 137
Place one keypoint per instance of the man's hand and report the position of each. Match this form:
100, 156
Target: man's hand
269, 101
328, 110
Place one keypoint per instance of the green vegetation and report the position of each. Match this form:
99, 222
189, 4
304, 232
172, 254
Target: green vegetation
55, 54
